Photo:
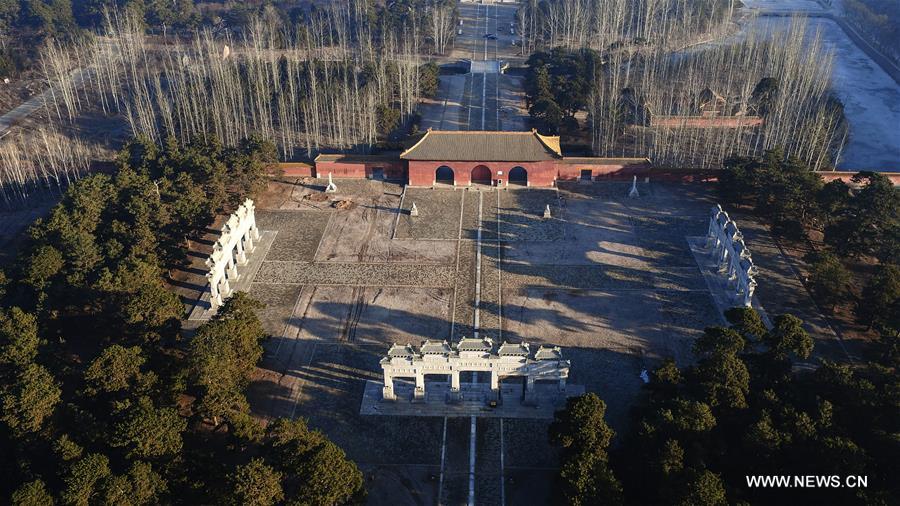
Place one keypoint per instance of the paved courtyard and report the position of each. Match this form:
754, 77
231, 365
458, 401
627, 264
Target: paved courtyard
610, 279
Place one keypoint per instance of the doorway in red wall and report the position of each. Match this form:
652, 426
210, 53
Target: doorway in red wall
481, 175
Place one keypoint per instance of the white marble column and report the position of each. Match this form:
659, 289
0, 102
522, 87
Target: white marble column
226, 288
387, 393
248, 242
232, 268
724, 258
215, 298
241, 254
748, 294
420, 386
454, 386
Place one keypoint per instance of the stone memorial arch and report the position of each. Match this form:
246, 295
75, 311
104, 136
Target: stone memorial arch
230, 251
726, 243
474, 355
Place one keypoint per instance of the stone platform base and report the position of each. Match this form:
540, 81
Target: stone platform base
717, 284
203, 311
472, 401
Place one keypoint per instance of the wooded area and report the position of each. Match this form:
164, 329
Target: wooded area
104, 399
342, 77
609, 24
699, 431
782, 78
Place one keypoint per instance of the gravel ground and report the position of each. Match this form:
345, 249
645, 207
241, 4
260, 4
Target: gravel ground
490, 292
594, 277
487, 461
469, 227
438, 214
522, 213
299, 233
279, 301
334, 273
464, 315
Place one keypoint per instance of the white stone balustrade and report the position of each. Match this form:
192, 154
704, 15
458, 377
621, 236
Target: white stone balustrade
726, 244
230, 251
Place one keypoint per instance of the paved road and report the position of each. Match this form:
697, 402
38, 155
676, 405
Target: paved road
36, 102
484, 98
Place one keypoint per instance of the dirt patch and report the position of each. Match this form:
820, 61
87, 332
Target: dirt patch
316, 197
344, 205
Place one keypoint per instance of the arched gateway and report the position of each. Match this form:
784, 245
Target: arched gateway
518, 175
443, 175
481, 175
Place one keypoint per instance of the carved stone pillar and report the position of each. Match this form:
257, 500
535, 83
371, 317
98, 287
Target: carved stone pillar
241, 254
215, 298
419, 393
530, 397
232, 268
387, 393
454, 385
226, 288
248, 242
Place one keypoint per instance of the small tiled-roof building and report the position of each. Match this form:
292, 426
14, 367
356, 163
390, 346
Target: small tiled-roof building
463, 158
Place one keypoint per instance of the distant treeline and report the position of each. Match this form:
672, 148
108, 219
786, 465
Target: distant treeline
878, 21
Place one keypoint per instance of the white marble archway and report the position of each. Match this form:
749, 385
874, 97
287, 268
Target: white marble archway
230, 251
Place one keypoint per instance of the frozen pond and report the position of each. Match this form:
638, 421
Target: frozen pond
871, 103
871, 98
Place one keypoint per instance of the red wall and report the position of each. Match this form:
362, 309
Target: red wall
539, 173
360, 169
599, 169
705, 122
297, 169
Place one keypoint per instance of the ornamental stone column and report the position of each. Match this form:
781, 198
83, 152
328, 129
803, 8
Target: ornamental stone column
232, 268
248, 241
419, 392
495, 385
387, 393
241, 254
226, 288
454, 385
215, 298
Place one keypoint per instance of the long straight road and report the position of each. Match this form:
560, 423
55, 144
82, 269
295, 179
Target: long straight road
484, 98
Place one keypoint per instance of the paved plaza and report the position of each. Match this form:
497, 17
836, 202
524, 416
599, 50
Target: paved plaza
609, 279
